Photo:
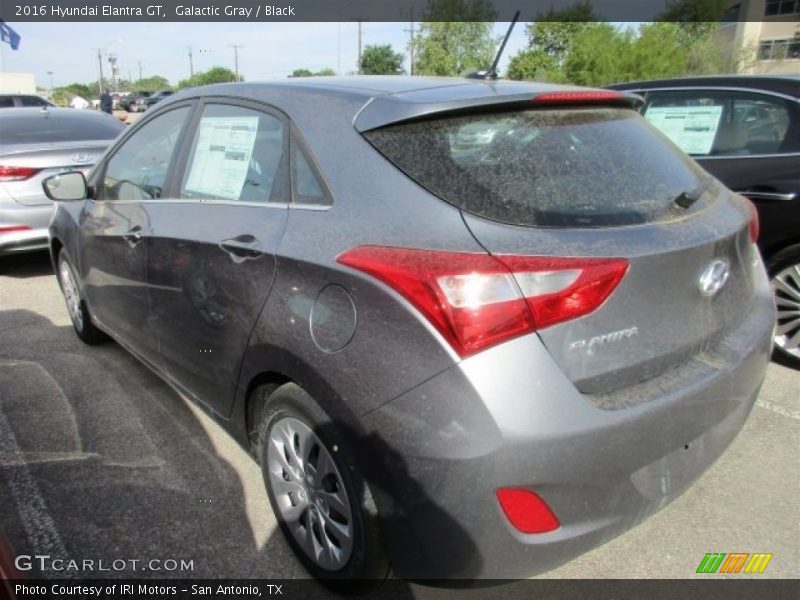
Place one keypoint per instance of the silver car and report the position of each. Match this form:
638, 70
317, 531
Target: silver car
469, 329
34, 144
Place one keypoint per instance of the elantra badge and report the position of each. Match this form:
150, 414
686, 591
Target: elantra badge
81, 158
714, 277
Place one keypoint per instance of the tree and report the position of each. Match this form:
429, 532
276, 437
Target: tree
455, 38
597, 55
152, 84
326, 72
549, 41
301, 73
213, 75
381, 60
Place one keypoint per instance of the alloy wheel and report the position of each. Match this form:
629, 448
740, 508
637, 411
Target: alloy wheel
71, 294
786, 287
310, 493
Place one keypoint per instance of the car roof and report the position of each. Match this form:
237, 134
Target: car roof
376, 101
51, 112
782, 84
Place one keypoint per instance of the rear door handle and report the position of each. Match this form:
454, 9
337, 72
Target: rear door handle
242, 247
133, 236
769, 196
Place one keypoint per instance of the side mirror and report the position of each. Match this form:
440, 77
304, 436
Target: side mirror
67, 186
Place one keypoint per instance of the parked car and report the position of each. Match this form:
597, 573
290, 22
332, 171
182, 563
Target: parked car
135, 101
18, 100
464, 361
34, 144
150, 101
745, 130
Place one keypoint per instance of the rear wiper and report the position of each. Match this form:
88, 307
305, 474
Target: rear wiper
688, 197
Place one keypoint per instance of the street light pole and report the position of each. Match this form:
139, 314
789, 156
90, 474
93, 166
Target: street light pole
50, 73
191, 65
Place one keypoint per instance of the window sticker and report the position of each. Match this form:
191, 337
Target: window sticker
692, 128
222, 156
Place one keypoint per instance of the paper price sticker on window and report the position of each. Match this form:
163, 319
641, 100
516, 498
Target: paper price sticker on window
222, 156
691, 128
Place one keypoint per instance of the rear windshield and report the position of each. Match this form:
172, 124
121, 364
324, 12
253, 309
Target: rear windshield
36, 128
587, 167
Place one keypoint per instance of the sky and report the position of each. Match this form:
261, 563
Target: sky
269, 51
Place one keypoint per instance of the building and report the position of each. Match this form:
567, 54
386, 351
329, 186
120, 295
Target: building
768, 34
17, 83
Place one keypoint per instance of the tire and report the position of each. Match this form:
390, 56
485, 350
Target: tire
295, 439
784, 275
76, 306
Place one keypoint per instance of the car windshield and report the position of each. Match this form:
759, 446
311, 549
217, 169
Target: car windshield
558, 167
36, 128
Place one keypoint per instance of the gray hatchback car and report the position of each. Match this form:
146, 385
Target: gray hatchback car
470, 329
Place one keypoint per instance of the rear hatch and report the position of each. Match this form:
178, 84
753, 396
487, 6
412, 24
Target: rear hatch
585, 177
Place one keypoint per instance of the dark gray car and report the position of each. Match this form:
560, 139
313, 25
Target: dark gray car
471, 329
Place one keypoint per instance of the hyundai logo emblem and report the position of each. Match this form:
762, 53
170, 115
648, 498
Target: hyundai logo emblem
714, 277
81, 157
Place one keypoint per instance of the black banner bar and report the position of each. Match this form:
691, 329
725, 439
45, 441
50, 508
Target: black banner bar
308, 10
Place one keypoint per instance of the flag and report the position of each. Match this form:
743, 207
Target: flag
9, 36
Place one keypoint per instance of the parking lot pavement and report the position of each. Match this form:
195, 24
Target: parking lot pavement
99, 459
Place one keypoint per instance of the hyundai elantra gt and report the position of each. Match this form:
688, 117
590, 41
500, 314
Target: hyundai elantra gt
470, 329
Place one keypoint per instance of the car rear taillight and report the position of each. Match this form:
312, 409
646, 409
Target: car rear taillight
477, 300
588, 97
526, 511
17, 173
13, 228
754, 226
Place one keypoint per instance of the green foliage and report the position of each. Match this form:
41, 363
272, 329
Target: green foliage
381, 60
326, 72
213, 75
78, 89
566, 46
152, 84
549, 41
455, 38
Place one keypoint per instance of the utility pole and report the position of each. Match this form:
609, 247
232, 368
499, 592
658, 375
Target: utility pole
100, 62
140, 70
360, 21
236, 58
191, 65
411, 48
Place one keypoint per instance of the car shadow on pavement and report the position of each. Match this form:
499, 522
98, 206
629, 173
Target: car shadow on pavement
100, 460
23, 266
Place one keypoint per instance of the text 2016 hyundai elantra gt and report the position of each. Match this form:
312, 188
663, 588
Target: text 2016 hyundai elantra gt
469, 329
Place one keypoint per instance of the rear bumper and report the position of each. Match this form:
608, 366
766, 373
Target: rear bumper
35, 217
23, 241
509, 417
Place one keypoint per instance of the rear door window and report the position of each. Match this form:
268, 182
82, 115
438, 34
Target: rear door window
585, 167
725, 123
238, 154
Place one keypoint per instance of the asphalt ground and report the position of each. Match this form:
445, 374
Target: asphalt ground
100, 459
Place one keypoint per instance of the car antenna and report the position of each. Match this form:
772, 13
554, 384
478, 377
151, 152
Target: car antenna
492, 72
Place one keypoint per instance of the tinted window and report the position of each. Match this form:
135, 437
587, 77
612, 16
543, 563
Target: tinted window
237, 154
138, 169
576, 167
6, 102
36, 127
725, 123
306, 186
33, 101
